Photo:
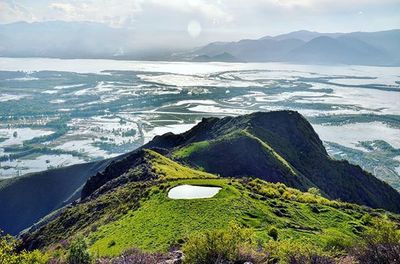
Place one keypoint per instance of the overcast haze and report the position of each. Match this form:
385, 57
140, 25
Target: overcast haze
196, 22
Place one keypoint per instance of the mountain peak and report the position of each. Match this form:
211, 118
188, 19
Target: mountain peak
278, 146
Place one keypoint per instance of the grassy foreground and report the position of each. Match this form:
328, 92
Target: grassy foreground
161, 223
140, 215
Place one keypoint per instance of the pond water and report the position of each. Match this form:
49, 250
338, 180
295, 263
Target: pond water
192, 192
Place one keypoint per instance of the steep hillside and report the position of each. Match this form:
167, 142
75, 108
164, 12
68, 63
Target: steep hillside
26, 199
275, 146
288, 135
134, 210
247, 156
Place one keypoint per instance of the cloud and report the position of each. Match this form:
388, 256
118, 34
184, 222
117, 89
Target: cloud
123, 12
324, 6
219, 19
64, 7
10, 11
211, 10
115, 13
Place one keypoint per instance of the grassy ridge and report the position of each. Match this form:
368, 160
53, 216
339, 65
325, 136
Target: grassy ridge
193, 148
167, 169
161, 223
140, 214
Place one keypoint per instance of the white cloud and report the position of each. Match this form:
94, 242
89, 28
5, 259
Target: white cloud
211, 10
12, 11
115, 13
123, 12
219, 19
325, 6
63, 7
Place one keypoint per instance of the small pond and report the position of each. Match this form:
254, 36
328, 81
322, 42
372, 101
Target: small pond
192, 192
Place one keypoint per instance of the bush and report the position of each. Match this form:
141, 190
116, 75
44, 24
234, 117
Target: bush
33, 257
7, 249
270, 192
135, 256
9, 254
111, 243
233, 245
366, 219
78, 253
273, 232
314, 191
290, 251
312, 259
380, 243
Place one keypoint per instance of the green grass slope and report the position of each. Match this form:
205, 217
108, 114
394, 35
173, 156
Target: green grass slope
139, 214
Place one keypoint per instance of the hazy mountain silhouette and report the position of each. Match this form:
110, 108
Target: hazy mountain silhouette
60, 39
363, 48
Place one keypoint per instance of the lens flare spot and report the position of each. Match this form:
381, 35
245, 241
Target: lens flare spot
194, 28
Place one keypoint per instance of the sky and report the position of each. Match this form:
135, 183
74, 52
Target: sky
202, 21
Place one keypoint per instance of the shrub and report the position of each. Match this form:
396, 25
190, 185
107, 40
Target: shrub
314, 191
312, 259
273, 232
111, 243
78, 253
270, 192
366, 219
380, 243
9, 254
290, 251
135, 256
33, 257
7, 249
233, 245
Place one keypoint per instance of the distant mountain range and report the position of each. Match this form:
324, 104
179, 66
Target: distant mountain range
75, 40
60, 39
361, 48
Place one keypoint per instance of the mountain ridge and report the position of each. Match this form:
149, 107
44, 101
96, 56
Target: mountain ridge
360, 48
134, 210
286, 150
81, 40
